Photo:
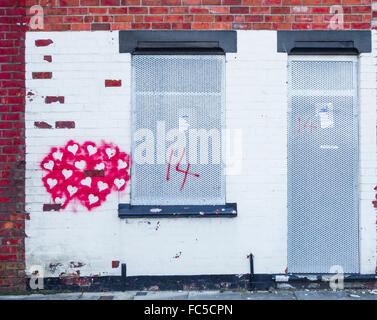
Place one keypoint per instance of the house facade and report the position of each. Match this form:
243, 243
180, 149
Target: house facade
186, 143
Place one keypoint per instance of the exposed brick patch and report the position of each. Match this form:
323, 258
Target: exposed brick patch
113, 83
43, 43
100, 26
74, 264
51, 207
30, 95
64, 124
42, 75
47, 58
94, 173
52, 99
115, 264
42, 125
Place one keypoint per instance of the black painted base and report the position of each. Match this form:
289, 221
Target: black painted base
198, 282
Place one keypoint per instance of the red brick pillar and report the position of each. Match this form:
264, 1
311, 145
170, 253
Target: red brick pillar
12, 145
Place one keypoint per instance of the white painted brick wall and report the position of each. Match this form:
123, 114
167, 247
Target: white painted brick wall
256, 102
368, 157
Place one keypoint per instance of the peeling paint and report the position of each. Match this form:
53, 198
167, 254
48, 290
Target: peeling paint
29, 96
53, 266
73, 264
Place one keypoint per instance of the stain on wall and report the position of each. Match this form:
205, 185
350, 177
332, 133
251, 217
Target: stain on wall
85, 172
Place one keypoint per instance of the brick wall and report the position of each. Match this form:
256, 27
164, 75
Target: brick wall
74, 15
12, 146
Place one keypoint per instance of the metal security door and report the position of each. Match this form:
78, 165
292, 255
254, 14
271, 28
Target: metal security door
323, 165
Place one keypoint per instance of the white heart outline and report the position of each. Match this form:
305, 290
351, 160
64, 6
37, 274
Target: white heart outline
49, 165
58, 155
122, 164
80, 164
91, 150
72, 190
86, 182
59, 200
92, 199
67, 173
73, 148
110, 152
119, 182
102, 185
52, 182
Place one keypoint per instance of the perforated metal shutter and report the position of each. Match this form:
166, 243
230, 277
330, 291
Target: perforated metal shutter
176, 94
323, 165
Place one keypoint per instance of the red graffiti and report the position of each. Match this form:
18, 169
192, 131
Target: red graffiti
87, 173
177, 168
306, 125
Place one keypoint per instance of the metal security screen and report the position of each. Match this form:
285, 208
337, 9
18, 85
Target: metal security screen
177, 118
323, 165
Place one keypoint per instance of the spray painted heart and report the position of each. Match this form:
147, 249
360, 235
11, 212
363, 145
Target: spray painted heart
86, 172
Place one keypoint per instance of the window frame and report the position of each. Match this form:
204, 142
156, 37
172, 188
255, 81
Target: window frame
186, 43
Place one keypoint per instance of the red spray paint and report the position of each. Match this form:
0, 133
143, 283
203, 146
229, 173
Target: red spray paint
66, 168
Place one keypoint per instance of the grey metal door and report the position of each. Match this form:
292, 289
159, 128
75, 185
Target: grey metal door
323, 164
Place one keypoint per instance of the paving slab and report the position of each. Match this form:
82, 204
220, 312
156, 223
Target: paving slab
214, 295
127, 295
273, 295
97, 296
335, 295
161, 295
301, 294
59, 296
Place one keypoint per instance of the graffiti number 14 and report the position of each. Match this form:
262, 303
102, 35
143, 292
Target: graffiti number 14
305, 125
178, 169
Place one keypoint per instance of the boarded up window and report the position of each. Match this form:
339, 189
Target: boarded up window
177, 121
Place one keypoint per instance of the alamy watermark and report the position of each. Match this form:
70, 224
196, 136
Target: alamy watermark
36, 281
183, 145
337, 20
336, 281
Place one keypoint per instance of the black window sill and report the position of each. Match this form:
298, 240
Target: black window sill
229, 210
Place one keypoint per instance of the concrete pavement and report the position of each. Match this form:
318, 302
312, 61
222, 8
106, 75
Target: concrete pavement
347, 294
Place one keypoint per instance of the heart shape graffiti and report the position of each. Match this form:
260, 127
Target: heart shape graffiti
85, 172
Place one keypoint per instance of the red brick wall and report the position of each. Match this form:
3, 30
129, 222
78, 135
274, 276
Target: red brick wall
12, 146
63, 15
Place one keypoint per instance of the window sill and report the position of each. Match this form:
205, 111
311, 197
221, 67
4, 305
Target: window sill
229, 210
